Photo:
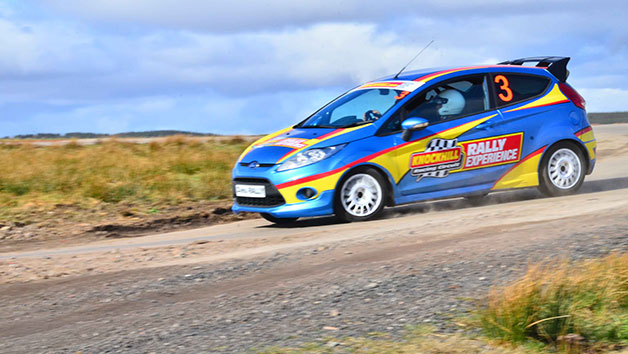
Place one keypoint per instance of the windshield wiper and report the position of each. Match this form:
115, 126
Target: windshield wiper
318, 126
357, 124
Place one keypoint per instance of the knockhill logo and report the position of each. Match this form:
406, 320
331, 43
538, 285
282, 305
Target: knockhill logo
440, 157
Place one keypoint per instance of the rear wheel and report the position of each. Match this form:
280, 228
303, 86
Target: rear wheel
276, 220
562, 170
361, 196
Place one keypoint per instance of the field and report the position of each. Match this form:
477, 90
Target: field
113, 180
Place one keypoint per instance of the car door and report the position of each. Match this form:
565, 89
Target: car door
448, 156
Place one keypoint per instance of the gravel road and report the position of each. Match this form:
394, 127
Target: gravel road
237, 287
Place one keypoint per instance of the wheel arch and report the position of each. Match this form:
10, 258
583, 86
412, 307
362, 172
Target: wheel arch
575, 142
381, 170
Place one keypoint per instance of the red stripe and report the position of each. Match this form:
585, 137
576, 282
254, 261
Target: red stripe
539, 151
330, 133
549, 104
286, 154
349, 165
583, 131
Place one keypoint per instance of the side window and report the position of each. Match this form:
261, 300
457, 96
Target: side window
513, 88
448, 100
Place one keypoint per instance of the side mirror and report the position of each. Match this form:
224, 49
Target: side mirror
412, 124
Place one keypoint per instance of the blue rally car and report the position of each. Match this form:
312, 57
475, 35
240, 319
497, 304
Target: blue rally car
423, 135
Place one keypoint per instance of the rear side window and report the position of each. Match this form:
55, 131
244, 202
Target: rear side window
513, 88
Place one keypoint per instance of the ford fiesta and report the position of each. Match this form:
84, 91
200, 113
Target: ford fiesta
423, 135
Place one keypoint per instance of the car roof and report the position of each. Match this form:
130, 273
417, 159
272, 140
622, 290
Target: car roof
433, 73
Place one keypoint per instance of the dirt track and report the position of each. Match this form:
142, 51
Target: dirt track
234, 286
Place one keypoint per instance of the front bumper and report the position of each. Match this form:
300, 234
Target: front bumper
323, 204
284, 203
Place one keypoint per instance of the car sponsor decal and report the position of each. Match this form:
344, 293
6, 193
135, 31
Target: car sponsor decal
294, 143
444, 156
493, 151
440, 157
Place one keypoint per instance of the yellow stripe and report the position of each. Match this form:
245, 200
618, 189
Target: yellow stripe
261, 140
395, 161
401, 157
554, 96
591, 145
524, 175
316, 141
588, 136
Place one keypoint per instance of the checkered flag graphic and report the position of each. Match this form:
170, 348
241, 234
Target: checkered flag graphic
437, 145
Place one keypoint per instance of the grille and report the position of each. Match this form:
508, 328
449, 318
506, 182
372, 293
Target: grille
246, 164
273, 197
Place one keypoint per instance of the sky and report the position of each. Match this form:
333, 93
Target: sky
252, 67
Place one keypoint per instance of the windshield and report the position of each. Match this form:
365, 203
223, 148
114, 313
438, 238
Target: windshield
355, 108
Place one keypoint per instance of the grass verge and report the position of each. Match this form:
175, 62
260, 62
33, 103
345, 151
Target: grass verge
558, 306
421, 339
169, 172
573, 306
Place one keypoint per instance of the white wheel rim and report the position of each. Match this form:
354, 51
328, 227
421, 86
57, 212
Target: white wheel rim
361, 195
564, 168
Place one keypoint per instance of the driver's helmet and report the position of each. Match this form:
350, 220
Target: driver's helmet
451, 102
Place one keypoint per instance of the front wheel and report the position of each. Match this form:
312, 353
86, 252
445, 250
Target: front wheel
361, 196
562, 170
276, 220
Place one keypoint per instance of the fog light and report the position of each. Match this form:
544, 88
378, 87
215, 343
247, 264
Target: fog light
306, 193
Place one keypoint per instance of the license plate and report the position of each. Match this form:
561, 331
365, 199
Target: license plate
250, 191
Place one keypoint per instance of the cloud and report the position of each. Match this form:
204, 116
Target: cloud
251, 15
255, 114
72, 65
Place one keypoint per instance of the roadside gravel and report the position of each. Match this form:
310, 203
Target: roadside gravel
349, 289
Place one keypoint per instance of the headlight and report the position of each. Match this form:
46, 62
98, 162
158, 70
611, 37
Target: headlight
308, 157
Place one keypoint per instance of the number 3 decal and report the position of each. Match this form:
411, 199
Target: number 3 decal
504, 87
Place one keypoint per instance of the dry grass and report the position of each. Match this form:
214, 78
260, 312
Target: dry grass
172, 171
587, 302
416, 340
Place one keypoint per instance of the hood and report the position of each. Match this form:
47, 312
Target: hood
278, 147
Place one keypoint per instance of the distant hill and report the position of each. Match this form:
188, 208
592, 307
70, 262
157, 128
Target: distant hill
608, 118
594, 118
78, 135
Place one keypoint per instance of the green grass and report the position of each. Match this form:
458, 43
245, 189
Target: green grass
587, 299
172, 171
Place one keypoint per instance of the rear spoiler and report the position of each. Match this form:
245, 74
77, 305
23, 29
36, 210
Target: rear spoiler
557, 66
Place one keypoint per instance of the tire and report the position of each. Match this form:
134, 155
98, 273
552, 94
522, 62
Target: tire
360, 196
562, 169
278, 221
